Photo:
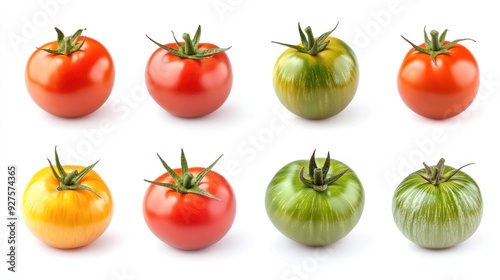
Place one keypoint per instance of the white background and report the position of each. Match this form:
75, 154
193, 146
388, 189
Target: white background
377, 136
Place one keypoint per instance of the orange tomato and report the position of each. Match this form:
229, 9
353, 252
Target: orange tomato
67, 217
438, 79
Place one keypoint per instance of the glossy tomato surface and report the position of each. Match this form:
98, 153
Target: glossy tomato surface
317, 86
69, 218
190, 221
71, 85
440, 89
309, 216
438, 215
188, 87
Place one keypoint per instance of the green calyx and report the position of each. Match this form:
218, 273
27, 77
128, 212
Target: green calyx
190, 47
310, 44
186, 182
70, 181
435, 174
436, 44
318, 176
67, 45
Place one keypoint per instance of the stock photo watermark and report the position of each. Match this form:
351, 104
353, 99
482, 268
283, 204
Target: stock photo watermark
256, 143
378, 20
309, 265
425, 147
11, 223
121, 274
224, 7
122, 107
32, 24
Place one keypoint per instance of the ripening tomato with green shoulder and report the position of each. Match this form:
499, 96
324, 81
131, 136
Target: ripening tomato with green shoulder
316, 209
67, 206
71, 77
438, 206
189, 79
438, 79
318, 78
189, 208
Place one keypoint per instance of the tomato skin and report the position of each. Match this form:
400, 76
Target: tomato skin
70, 218
439, 90
190, 221
438, 216
310, 217
70, 86
187, 87
319, 86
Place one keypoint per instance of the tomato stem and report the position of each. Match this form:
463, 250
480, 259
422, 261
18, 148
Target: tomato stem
190, 47
67, 180
318, 176
311, 41
435, 174
436, 45
67, 45
309, 44
186, 182
71, 180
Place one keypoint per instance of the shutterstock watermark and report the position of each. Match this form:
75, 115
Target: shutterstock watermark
121, 107
31, 25
424, 147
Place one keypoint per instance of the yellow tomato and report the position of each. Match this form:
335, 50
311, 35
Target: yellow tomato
67, 208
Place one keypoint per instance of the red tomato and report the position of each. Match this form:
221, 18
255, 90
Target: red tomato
440, 87
189, 218
189, 81
72, 84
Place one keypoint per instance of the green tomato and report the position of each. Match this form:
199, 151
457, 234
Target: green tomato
318, 209
438, 206
318, 78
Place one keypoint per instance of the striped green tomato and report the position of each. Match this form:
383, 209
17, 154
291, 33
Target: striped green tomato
318, 78
315, 209
437, 206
